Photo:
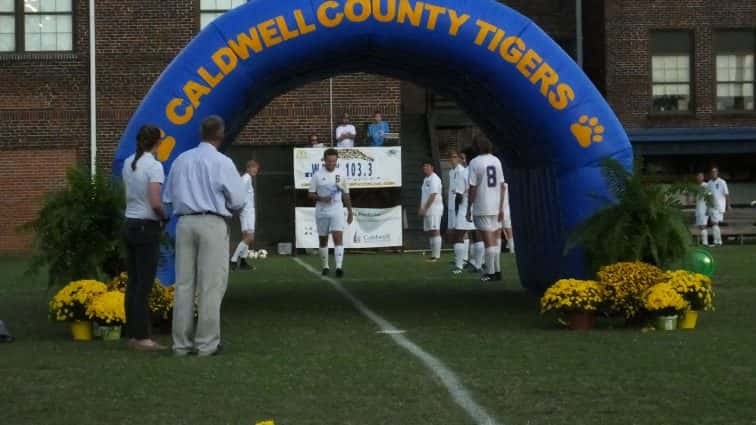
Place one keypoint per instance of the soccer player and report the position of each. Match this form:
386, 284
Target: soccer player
432, 209
486, 204
459, 211
246, 217
330, 192
721, 204
702, 219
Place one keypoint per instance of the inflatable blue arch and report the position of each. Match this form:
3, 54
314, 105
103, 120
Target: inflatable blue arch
550, 124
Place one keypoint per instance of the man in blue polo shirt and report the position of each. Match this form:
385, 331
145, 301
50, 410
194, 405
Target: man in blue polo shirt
377, 130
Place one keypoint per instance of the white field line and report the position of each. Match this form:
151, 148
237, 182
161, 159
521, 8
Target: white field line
456, 389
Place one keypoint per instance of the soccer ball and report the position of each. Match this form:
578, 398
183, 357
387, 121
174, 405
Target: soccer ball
262, 254
252, 255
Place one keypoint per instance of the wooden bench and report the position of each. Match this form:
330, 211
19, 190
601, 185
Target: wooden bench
740, 223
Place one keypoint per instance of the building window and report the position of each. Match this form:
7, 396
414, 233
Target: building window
36, 25
735, 70
671, 71
211, 9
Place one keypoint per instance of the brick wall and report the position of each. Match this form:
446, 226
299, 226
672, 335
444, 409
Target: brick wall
26, 175
628, 80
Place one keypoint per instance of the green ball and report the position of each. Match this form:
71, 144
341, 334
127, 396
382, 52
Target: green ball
701, 261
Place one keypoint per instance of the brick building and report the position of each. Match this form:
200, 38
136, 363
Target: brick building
679, 74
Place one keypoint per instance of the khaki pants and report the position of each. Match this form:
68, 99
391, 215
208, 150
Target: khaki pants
201, 269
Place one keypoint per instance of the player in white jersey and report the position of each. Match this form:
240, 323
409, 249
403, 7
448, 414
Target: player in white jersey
486, 204
330, 192
246, 217
720, 196
702, 218
432, 209
459, 210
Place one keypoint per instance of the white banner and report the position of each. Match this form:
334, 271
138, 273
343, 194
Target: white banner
371, 228
365, 168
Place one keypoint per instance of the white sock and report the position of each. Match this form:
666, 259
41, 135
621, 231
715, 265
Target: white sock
479, 251
436, 246
459, 255
466, 255
498, 258
324, 257
490, 260
704, 237
510, 245
241, 251
338, 252
717, 232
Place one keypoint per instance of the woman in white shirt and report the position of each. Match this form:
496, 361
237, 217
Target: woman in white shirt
143, 177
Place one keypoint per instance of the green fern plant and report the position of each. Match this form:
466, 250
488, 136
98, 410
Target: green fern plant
77, 234
643, 222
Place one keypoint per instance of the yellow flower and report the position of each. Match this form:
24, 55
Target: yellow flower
572, 295
695, 288
664, 299
108, 308
71, 301
625, 284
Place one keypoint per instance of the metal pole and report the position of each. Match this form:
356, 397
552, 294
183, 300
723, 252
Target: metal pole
330, 81
579, 31
92, 91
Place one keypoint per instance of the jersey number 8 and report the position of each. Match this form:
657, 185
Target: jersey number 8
491, 175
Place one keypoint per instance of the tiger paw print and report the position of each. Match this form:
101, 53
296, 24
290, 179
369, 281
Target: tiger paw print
588, 131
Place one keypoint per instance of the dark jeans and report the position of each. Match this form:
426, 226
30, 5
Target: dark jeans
142, 251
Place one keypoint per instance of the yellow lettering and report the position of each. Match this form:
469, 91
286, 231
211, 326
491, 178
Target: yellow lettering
326, 20
508, 53
433, 17
415, 15
175, 117
225, 59
211, 80
269, 33
302, 25
562, 97
390, 12
496, 40
351, 5
194, 92
243, 43
285, 31
485, 29
456, 21
547, 76
528, 62
165, 148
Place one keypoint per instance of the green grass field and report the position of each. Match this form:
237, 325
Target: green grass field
297, 352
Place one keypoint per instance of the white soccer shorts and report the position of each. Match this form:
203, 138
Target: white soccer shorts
328, 224
247, 219
716, 216
462, 223
451, 219
487, 223
701, 219
431, 222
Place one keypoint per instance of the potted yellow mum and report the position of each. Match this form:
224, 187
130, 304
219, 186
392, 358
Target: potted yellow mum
107, 309
697, 291
665, 304
578, 300
70, 305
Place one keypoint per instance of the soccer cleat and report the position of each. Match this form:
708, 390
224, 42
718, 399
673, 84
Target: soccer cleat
457, 271
325, 272
339, 273
233, 265
487, 278
432, 260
